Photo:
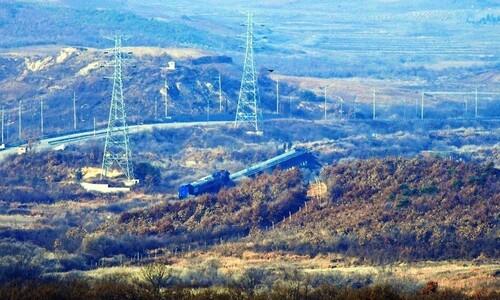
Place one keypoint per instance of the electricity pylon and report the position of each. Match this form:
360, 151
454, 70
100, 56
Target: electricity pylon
117, 147
248, 110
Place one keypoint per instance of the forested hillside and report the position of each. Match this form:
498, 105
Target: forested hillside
379, 210
399, 209
251, 205
26, 24
43, 178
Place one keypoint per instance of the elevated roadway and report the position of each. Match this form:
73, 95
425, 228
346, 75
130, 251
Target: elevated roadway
59, 142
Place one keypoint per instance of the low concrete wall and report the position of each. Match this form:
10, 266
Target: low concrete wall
104, 188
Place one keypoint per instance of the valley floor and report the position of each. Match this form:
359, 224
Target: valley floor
468, 277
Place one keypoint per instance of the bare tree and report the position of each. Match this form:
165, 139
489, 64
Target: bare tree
251, 279
157, 276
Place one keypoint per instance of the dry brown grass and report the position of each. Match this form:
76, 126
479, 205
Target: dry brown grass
91, 172
466, 276
460, 275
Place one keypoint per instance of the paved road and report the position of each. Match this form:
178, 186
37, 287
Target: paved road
76, 138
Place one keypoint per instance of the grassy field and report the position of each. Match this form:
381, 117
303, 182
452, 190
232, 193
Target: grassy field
466, 276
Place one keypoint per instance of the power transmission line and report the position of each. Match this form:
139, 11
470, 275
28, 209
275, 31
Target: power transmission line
248, 110
117, 147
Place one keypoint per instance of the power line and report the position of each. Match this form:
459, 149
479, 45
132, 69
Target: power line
248, 110
117, 147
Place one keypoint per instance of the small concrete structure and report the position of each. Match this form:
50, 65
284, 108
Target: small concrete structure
131, 182
60, 147
22, 150
171, 66
103, 188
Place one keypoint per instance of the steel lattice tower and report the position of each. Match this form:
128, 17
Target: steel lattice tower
117, 147
248, 110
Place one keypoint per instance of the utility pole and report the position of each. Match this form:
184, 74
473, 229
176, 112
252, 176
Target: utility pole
3, 116
325, 103
41, 116
117, 146
475, 106
277, 96
404, 108
20, 118
74, 110
156, 108
248, 109
208, 109
466, 106
220, 94
166, 97
341, 107
416, 108
227, 104
374, 105
422, 107
7, 129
